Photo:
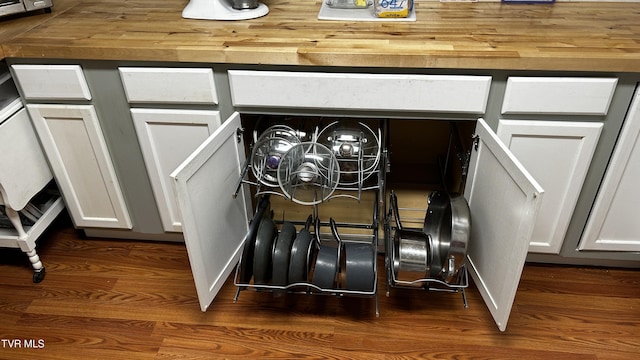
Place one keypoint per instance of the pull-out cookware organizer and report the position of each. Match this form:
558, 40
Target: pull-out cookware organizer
314, 166
425, 247
311, 165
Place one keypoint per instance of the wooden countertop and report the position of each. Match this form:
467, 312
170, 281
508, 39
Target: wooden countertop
565, 36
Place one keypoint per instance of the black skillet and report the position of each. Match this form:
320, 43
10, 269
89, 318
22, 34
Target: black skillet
246, 264
282, 254
267, 232
300, 254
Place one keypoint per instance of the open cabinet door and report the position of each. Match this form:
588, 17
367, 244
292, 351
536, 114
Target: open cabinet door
504, 200
213, 221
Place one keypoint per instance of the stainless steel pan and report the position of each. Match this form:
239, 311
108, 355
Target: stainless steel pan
448, 222
411, 251
437, 223
460, 234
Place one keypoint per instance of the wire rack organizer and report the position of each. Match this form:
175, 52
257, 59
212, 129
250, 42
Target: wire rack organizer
300, 173
417, 276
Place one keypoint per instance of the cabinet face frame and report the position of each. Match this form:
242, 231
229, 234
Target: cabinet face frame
558, 155
77, 152
612, 223
187, 128
211, 237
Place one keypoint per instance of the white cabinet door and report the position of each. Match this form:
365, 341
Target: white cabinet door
613, 223
214, 222
76, 149
558, 155
166, 138
504, 200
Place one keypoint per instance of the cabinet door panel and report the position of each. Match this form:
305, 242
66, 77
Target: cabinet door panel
214, 223
57, 82
169, 85
504, 200
558, 95
613, 223
558, 155
166, 138
73, 142
410, 92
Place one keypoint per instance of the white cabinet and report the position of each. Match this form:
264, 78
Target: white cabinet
558, 155
502, 197
75, 147
613, 223
166, 138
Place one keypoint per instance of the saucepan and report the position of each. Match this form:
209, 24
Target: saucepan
359, 263
326, 265
411, 251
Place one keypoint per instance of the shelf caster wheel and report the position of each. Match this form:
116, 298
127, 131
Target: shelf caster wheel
38, 275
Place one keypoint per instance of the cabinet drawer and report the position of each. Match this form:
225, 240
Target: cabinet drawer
56, 82
169, 85
400, 92
558, 95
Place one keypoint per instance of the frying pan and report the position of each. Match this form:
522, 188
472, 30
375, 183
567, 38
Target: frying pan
246, 267
282, 254
359, 272
263, 251
300, 255
437, 223
459, 241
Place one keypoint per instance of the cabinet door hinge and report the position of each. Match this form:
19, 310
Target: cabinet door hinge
476, 141
239, 132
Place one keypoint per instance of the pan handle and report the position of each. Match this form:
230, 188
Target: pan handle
334, 231
393, 199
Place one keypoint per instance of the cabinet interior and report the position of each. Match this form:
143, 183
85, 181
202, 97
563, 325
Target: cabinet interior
420, 155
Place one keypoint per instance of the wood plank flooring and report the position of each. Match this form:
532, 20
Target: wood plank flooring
115, 299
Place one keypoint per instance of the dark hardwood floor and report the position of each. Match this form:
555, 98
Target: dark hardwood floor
114, 299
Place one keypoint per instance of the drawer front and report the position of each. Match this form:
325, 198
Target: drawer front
169, 85
558, 95
438, 93
55, 82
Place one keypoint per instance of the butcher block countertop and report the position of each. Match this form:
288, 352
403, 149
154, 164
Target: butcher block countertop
487, 35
